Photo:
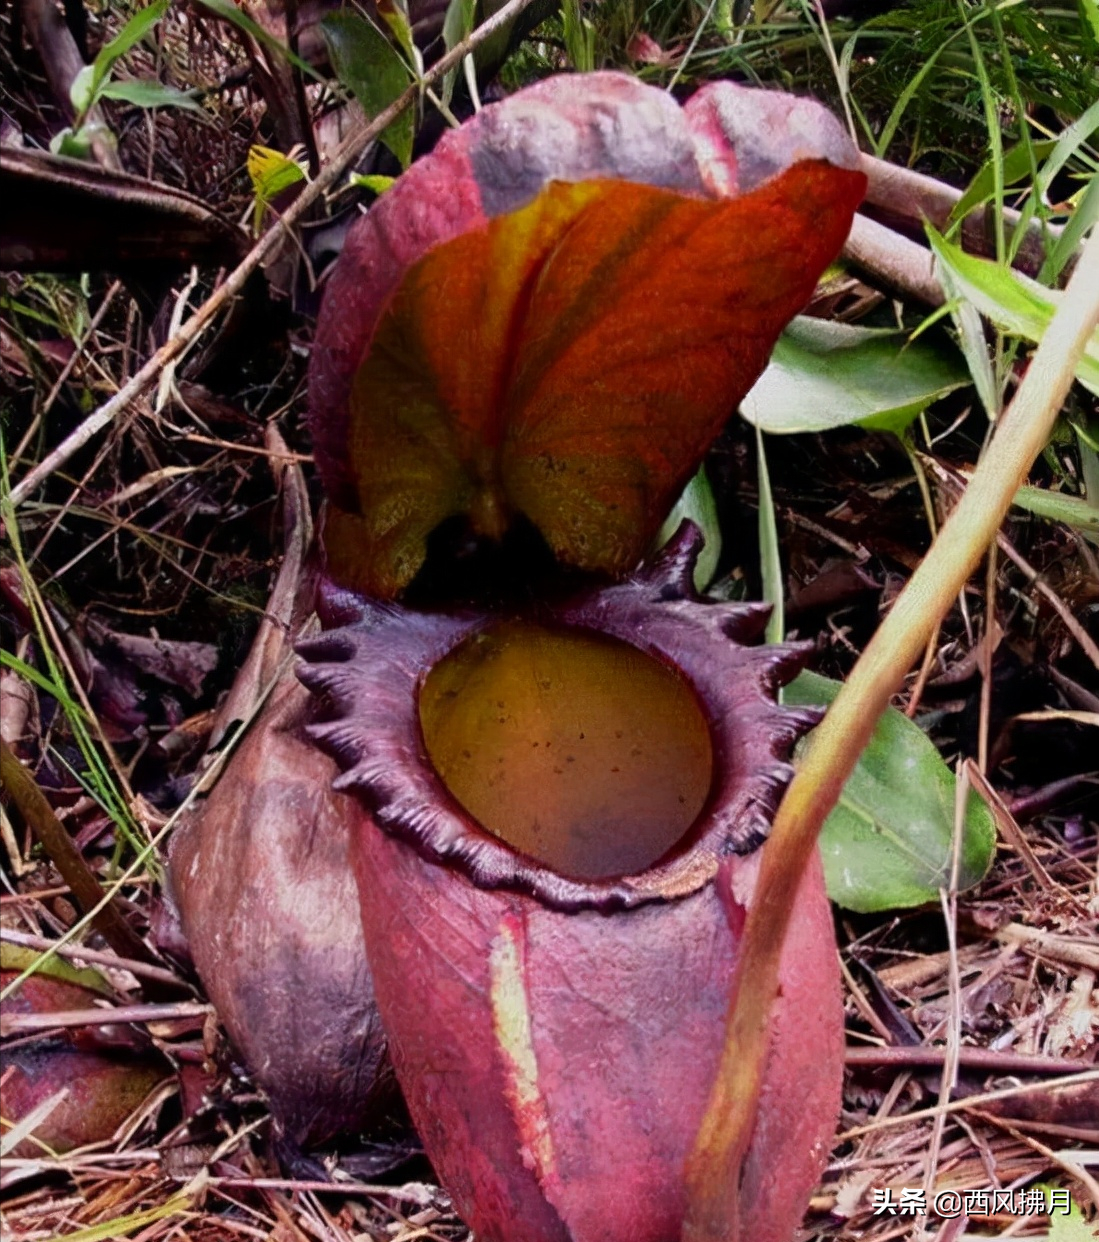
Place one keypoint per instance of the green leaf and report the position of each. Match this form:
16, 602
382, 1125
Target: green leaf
371, 67
1067, 145
1013, 302
395, 15
825, 374
17, 958
270, 172
374, 182
68, 704
81, 90
147, 94
881, 145
579, 35
87, 86
1066, 1223
457, 25
1016, 167
76, 144
697, 503
458, 22
131, 34
1074, 511
1084, 218
889, 841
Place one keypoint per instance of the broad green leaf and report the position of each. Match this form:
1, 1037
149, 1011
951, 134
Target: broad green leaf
825, 374
81, 90
697, 503
147, 94
372, 69
1066, 1221
458, 22
271, 172
1012, 301
889, 841
76, 144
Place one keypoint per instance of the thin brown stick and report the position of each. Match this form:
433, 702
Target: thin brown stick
989, 640
348, 151
948, 898
988, 1060
1010, 831
955, 481
15, 1023
93, 957
67, 370
398, 1193
34, 807
968, 1103
1068, 1166
1071, 950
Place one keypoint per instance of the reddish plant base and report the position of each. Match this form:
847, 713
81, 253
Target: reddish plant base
557, 1065
556, 1038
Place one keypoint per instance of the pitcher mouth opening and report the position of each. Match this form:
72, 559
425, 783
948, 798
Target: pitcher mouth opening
575, 748
601, 754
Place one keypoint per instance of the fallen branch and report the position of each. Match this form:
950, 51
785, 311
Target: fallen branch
903, 266
17, 1023
906, 196
990, 1060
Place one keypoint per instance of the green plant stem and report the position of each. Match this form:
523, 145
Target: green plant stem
34, 807
713, 1171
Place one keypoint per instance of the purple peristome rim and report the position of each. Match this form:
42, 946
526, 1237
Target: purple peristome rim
371, 669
